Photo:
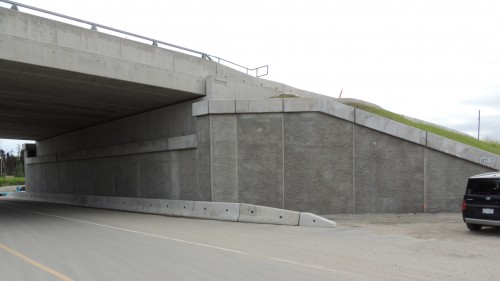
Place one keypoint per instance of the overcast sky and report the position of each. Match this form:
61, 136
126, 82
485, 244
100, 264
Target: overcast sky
434, 60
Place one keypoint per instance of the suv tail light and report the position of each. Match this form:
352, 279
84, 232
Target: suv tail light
464, 205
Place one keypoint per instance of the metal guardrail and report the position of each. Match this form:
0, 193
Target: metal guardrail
154, 42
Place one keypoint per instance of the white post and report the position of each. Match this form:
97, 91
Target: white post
478, 124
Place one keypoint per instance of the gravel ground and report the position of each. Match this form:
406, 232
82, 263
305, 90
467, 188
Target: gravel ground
439, 246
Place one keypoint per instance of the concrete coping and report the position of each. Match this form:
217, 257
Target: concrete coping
363, 118
225, 211
463, 151
274, 105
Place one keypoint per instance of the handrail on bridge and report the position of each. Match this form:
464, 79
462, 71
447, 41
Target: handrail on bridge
154, 42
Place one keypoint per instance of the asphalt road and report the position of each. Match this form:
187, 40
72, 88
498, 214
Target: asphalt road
52, 242
40, 241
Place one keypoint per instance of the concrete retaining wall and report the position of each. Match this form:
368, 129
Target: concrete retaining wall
306, 155
167, 174
320, 156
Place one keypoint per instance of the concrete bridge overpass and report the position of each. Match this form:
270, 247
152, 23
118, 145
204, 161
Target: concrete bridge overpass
57, 78
118, 118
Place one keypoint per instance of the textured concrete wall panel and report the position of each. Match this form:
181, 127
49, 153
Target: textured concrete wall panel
260, 159
389, 173
66, 177
83, 177
318, 163
203, 155
446, 178
51, 177
223, 137
183, 175
154, 175
125, 176
39, 179
29, 172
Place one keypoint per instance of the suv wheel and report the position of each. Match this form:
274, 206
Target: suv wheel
474, 227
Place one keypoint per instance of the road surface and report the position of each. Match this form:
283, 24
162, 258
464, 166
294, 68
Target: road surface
41, 241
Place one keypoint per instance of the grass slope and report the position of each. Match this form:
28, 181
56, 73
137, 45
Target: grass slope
490, 146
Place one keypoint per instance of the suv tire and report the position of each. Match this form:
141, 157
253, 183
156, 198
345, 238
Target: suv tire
474, 227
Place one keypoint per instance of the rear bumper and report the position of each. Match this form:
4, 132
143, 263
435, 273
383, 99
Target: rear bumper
482, 222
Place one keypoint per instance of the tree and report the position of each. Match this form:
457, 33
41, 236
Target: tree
2, 162
11, 164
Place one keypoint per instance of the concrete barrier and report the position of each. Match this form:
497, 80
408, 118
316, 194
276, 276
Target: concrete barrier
30, 196
260, 214
44, 197
96, 202
55, 198
148, 206
126, 204
52, 198
198, 209
61, 198
79, 200
309, 219
109, 202
37, 197
177, 208
216, 210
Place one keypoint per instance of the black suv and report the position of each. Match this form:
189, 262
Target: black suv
481, 205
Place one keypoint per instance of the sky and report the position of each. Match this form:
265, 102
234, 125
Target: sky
437, 60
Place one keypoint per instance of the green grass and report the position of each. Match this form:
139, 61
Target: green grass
489, 145
285, 96
11, 181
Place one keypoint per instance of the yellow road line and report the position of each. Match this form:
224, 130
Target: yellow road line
35, 263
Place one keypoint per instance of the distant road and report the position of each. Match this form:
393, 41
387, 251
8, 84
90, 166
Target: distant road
40, 241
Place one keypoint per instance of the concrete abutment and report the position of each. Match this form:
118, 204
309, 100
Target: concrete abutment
305, 159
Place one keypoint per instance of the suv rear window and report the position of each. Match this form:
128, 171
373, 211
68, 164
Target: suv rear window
483, 187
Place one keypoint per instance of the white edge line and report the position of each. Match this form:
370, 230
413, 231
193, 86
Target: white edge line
131, 231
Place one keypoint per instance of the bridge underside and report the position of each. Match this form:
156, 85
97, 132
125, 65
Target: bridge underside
40, 102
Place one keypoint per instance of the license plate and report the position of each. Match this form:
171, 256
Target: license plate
488, 211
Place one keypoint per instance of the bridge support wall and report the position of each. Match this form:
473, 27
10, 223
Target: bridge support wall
308, 155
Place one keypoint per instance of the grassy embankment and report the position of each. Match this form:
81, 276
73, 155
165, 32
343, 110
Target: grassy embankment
11, 181
490, 146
